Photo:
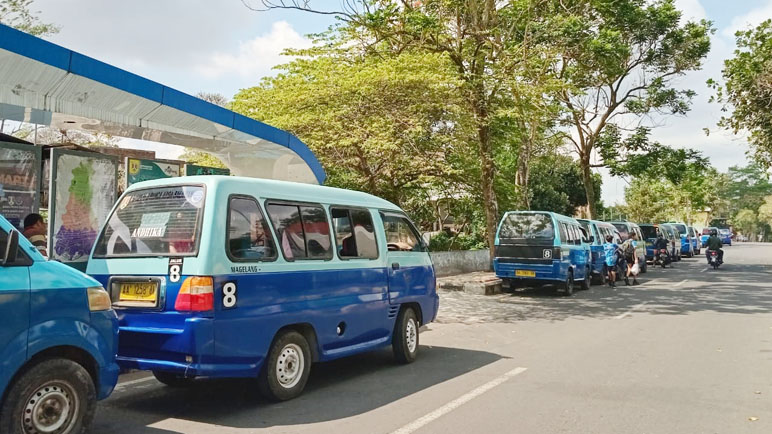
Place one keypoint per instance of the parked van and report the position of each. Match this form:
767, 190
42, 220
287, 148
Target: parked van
217, 276
685, 242
627, 228
649, 233
57, 341
597, 231
536, 247
671, 234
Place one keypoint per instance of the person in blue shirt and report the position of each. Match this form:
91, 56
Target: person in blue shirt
611, 256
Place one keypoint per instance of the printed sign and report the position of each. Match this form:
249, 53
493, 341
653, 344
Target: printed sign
82, 191
138, 170
153, 225
193, 170
19, 181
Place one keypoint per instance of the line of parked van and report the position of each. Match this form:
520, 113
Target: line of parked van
209, 276
534, 248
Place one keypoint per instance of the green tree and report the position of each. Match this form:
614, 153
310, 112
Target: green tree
386, 125
489, 45
765, 211
747, 91
621, 58
17, 14
556, 185
747, 187
747, 222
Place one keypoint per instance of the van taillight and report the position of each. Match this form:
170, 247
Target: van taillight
196, 295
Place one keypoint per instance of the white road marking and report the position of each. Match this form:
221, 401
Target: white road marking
681, 282
629, 312
452, 405
706, 269
126, 384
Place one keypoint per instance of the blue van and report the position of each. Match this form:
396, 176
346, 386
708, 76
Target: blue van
58, 341
218, 276
649, 234
537, 247
597, 232
682, 230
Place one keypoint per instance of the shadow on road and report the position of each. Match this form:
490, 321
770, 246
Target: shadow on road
741, 287
335, 390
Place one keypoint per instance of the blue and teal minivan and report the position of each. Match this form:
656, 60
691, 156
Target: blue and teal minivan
597, 232
58, 341
218, 276
538, 247
686, 247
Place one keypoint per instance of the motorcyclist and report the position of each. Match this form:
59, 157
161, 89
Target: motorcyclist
662, 243
714, 244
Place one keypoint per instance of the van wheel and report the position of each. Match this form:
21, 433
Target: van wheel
285, 372
587, 280
568, 285
54, 396
404, 341
173, 380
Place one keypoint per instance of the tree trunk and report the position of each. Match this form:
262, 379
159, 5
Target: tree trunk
589, 184
487, 174
521, 179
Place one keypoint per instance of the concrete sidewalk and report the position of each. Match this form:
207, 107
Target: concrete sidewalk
480, 282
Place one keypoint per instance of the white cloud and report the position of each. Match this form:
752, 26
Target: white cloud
691, 9
750, 19
255, 58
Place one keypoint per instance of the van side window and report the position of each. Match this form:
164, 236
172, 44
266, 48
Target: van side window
354, 233
564, 234
400, 234
302, 231
249, 238
22, 259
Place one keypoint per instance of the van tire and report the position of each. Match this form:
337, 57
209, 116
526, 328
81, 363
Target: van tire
173, 380
404, 340
568, 285
60, 382
587, 282
286, 370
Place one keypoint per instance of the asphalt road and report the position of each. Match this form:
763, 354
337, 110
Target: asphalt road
688, 351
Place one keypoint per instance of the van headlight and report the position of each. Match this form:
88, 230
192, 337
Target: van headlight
98, 299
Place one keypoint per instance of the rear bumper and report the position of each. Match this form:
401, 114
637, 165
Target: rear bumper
508, 270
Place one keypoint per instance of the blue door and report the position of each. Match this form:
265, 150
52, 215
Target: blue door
411, 276
14, 310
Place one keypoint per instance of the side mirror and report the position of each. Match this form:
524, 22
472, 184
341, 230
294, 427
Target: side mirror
11, 248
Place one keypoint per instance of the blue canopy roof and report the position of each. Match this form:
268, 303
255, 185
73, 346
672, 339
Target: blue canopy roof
46, 84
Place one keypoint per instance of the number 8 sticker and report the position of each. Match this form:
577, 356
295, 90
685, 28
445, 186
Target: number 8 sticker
174, 273
229, 294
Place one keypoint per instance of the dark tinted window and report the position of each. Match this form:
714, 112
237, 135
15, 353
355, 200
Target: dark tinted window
302, 231
527, 226
622, 228
681, 229
648, 232
248, 235
21, 258
354, 233
400, 234
163, 221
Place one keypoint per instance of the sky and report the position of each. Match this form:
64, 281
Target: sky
222, 46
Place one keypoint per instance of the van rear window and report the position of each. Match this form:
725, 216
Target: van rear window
649, 232
162, 221
527, 226
681, 229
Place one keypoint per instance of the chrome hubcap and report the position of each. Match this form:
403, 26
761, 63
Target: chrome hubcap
411, 333
289, 366
50, 410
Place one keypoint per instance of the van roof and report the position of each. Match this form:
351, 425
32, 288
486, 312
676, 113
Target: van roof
553, 214
271, 188
596, 222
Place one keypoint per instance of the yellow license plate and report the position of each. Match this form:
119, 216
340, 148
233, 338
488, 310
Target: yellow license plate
139, 291
525, 273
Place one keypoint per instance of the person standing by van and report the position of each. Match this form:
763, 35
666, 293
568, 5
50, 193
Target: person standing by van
611, 253
35, 229
628, 250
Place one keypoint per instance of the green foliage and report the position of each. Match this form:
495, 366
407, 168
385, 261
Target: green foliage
392, 126
556, 185
17, 14
442, 242
201, 158
747, 91
746, 221
765, 211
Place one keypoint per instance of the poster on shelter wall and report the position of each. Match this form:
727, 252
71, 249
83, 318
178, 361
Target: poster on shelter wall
193, 170
138, 170
82, 193
19, 181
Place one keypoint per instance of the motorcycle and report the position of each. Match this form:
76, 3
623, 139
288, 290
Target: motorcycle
662, 257
713, 259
